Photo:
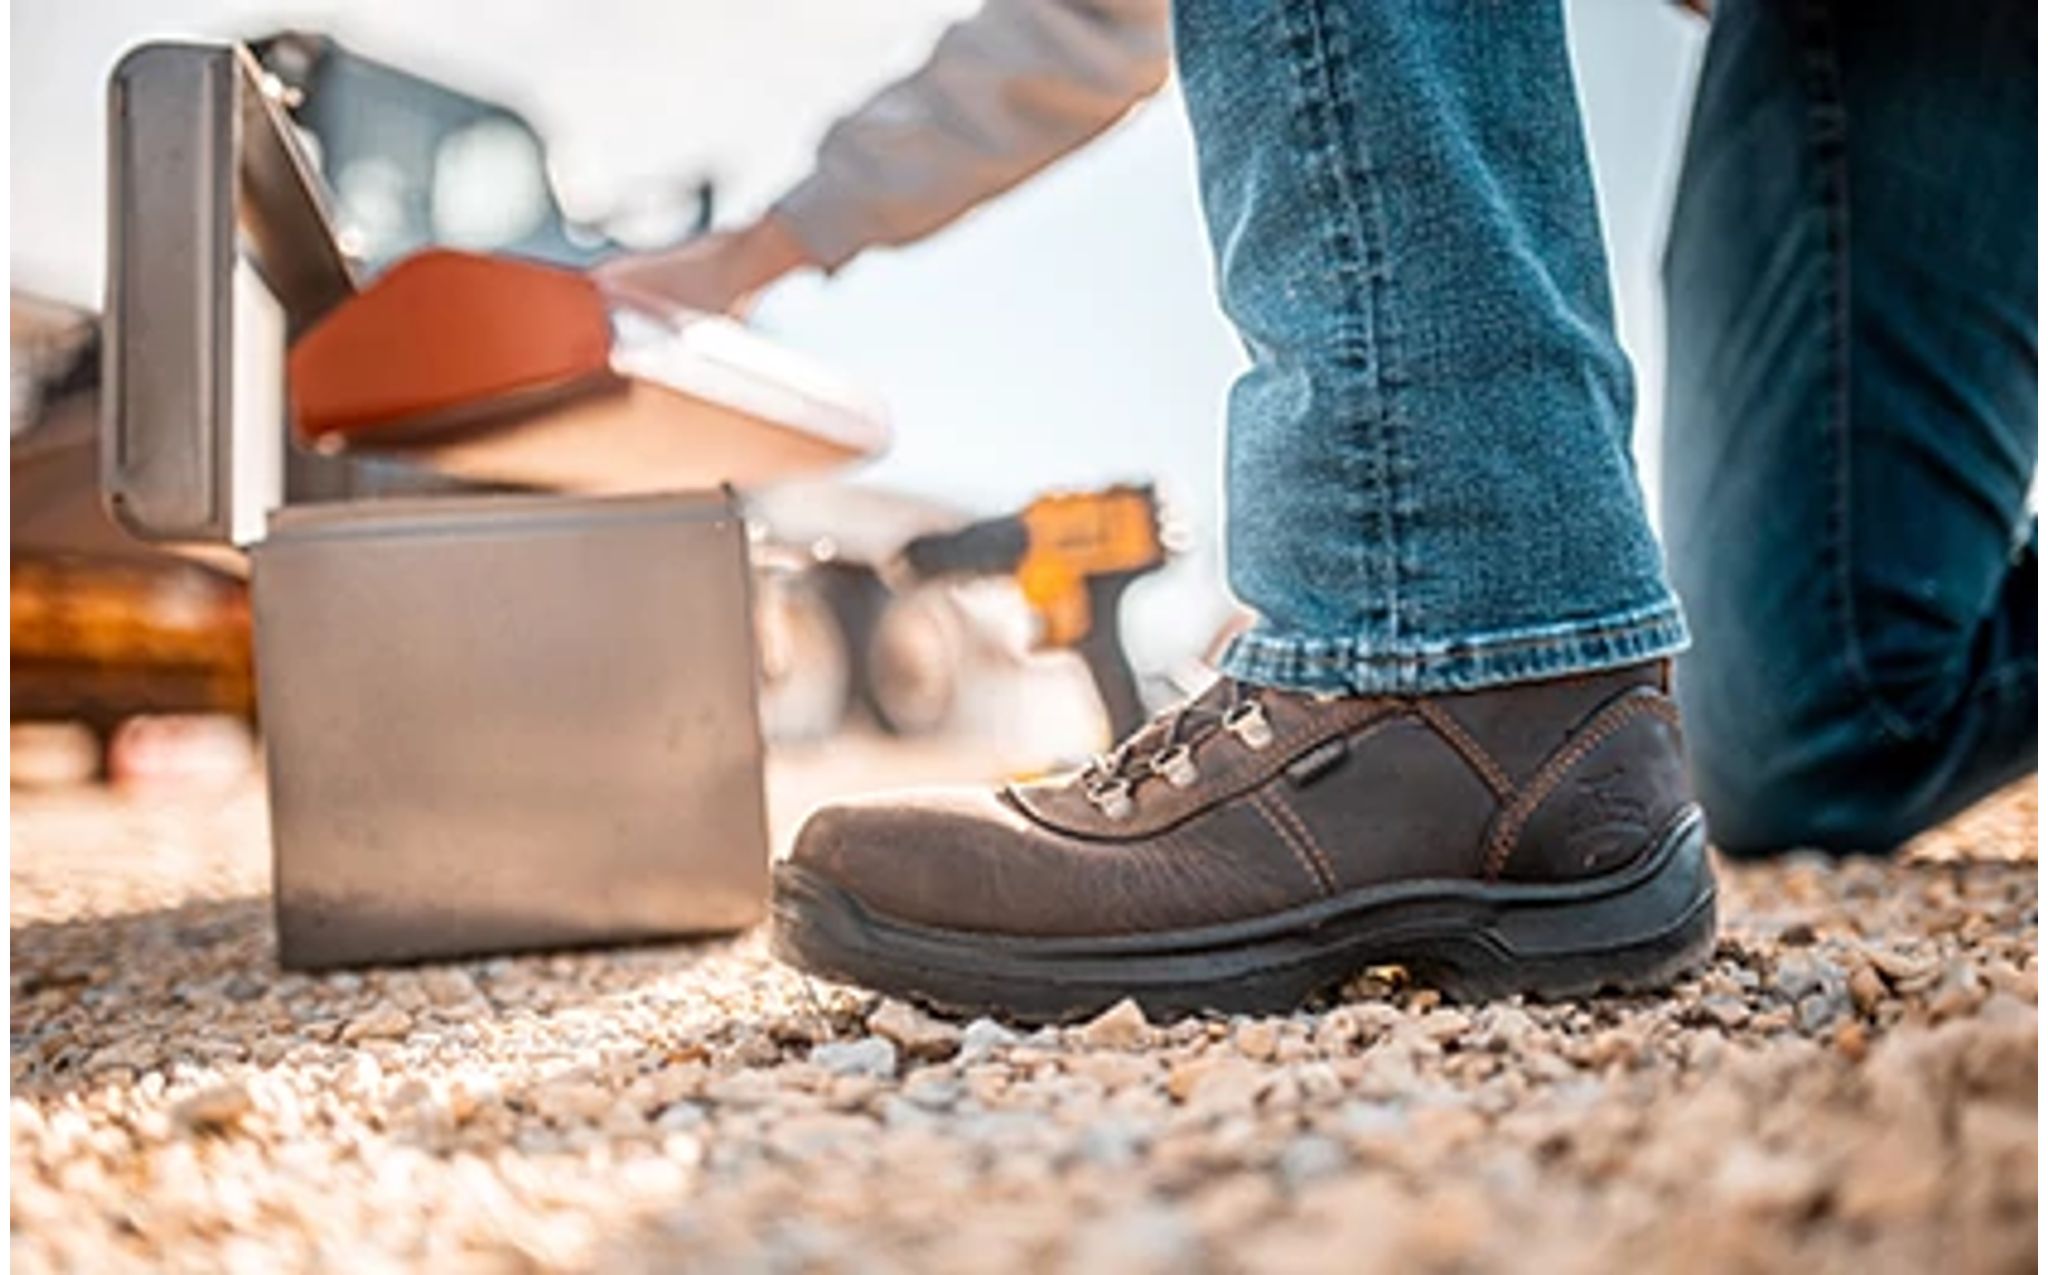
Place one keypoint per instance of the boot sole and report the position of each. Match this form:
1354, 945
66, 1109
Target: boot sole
1636, 929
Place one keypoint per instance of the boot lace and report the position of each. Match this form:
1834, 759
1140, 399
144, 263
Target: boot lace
1165, 747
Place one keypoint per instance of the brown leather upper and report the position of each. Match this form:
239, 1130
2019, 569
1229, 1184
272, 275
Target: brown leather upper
1551, 781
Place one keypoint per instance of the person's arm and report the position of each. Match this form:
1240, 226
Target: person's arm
1005, 92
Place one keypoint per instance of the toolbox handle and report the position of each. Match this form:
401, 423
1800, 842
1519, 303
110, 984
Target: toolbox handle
220, 250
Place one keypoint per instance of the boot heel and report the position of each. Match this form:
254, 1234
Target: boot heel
1651, 929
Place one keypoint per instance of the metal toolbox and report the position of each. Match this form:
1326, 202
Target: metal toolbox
505, 722
492, 721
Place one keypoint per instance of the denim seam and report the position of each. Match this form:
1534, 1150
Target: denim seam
1397, 494
1359, 664
1499, 640
1356, 242
1827, 119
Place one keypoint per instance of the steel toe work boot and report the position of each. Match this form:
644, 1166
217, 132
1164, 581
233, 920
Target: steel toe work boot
1253, 846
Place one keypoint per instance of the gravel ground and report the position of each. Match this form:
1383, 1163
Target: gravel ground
1850, 1086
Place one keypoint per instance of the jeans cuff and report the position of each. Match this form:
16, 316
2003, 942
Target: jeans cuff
1363, 666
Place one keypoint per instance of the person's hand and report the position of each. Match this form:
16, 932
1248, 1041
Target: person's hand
717, 273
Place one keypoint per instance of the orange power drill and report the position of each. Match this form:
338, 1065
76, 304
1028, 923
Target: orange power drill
1072, 554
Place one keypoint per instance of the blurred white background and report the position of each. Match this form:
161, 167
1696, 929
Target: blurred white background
1065, 337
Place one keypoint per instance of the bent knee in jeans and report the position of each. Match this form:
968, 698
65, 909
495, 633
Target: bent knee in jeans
1798, 740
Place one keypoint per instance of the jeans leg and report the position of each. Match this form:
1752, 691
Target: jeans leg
1851, 423
1428, 477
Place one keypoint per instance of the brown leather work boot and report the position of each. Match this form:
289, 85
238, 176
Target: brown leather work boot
1253, 846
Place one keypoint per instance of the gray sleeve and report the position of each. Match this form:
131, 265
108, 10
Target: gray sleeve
1005, 92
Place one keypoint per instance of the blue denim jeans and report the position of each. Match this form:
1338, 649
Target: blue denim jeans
1851, 429
1428, 482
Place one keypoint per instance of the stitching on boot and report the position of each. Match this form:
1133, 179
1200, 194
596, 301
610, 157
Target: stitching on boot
1453, 732
1280, 829
1278, 804
1349, 718
1345, 721
1507, 828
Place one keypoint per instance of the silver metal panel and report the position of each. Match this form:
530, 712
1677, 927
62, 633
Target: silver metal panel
508, 722
217, 237
170, 247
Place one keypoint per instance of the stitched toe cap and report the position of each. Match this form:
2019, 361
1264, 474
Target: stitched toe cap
942, 857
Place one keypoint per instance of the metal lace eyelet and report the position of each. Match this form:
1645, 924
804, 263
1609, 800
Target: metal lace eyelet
1114, 799
1248, 722
1177, 766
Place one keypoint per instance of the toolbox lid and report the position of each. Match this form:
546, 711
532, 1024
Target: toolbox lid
222, 256
512, 371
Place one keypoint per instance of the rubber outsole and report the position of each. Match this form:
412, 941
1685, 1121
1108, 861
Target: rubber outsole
1636, 929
